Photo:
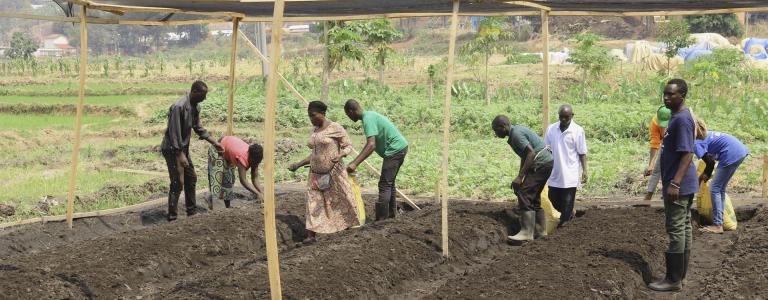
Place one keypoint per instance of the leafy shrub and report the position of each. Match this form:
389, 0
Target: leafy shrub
590, 58
520, 58
724, 24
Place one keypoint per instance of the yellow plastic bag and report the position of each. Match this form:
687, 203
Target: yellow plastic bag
553, 216
358, 198
704, 205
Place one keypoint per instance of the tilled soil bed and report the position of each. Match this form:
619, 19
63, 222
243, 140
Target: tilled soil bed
607, 253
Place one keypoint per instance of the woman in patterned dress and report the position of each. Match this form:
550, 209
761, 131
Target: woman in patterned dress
331, 205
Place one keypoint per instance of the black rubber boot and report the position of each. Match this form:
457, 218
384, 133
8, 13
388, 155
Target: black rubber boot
173, 205
382, 211
686, 263
540, 229
673, 280
527, 219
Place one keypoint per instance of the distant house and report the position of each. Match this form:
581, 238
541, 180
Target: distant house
55, 45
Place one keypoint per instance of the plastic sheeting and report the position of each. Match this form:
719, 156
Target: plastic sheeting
710, 39
756, 48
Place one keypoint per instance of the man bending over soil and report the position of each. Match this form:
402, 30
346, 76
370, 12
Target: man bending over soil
536, 164
383, 137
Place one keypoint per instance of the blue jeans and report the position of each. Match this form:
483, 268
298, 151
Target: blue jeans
717, 190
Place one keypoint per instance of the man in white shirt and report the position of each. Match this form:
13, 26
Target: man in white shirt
569, 148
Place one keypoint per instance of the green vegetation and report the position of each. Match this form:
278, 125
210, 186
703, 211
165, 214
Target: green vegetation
34, 122
724, 24
378, 35
676, 35
590, 58
522, 59
22, 46
489, 41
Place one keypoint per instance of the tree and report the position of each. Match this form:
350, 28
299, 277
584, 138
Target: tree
22, 46
342, 41
489, 41
676, 35
378, 35
724, 24
590, 57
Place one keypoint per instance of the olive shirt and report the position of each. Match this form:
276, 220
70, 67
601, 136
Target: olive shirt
519, 139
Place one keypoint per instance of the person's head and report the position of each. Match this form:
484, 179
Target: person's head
565, 113
674, 94
198, 92
500, 126
316, 111
255, 155
663, 114
353, 110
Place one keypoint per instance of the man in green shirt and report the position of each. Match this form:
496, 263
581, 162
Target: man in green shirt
536, 164
383, 137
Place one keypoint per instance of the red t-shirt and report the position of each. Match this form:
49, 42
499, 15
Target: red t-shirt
235, 151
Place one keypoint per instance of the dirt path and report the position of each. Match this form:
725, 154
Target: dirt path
607, 253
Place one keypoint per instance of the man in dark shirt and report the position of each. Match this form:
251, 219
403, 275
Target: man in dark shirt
183, 117
679, 184
536, 164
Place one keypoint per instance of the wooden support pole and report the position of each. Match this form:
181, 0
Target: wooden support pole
270, 226
79, 117
447, 126
545, 62
305, 101
232, 65
765, 176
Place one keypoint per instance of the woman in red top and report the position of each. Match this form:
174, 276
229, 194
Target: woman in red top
237, 154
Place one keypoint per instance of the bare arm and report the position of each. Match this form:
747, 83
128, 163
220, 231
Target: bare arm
296, 166
673, 191
685, 163
244, 180
529, 157
370, 145
585, 174
652, 159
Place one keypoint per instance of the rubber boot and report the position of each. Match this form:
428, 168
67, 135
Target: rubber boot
227, 203
173, 205
673, 280
382, 211
686, 263
540, 229
527, 219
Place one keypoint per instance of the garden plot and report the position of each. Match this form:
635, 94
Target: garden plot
606, 253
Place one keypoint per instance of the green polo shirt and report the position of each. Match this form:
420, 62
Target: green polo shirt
389, 140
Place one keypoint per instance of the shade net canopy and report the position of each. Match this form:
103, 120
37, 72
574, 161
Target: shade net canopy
341, 8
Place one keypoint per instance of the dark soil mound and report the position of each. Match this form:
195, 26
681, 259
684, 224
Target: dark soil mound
607, 253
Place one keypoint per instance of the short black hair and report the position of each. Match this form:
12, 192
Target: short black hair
351, 105
199, 87
255, 155
500, 120
681, 84
317, 106
564, 107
